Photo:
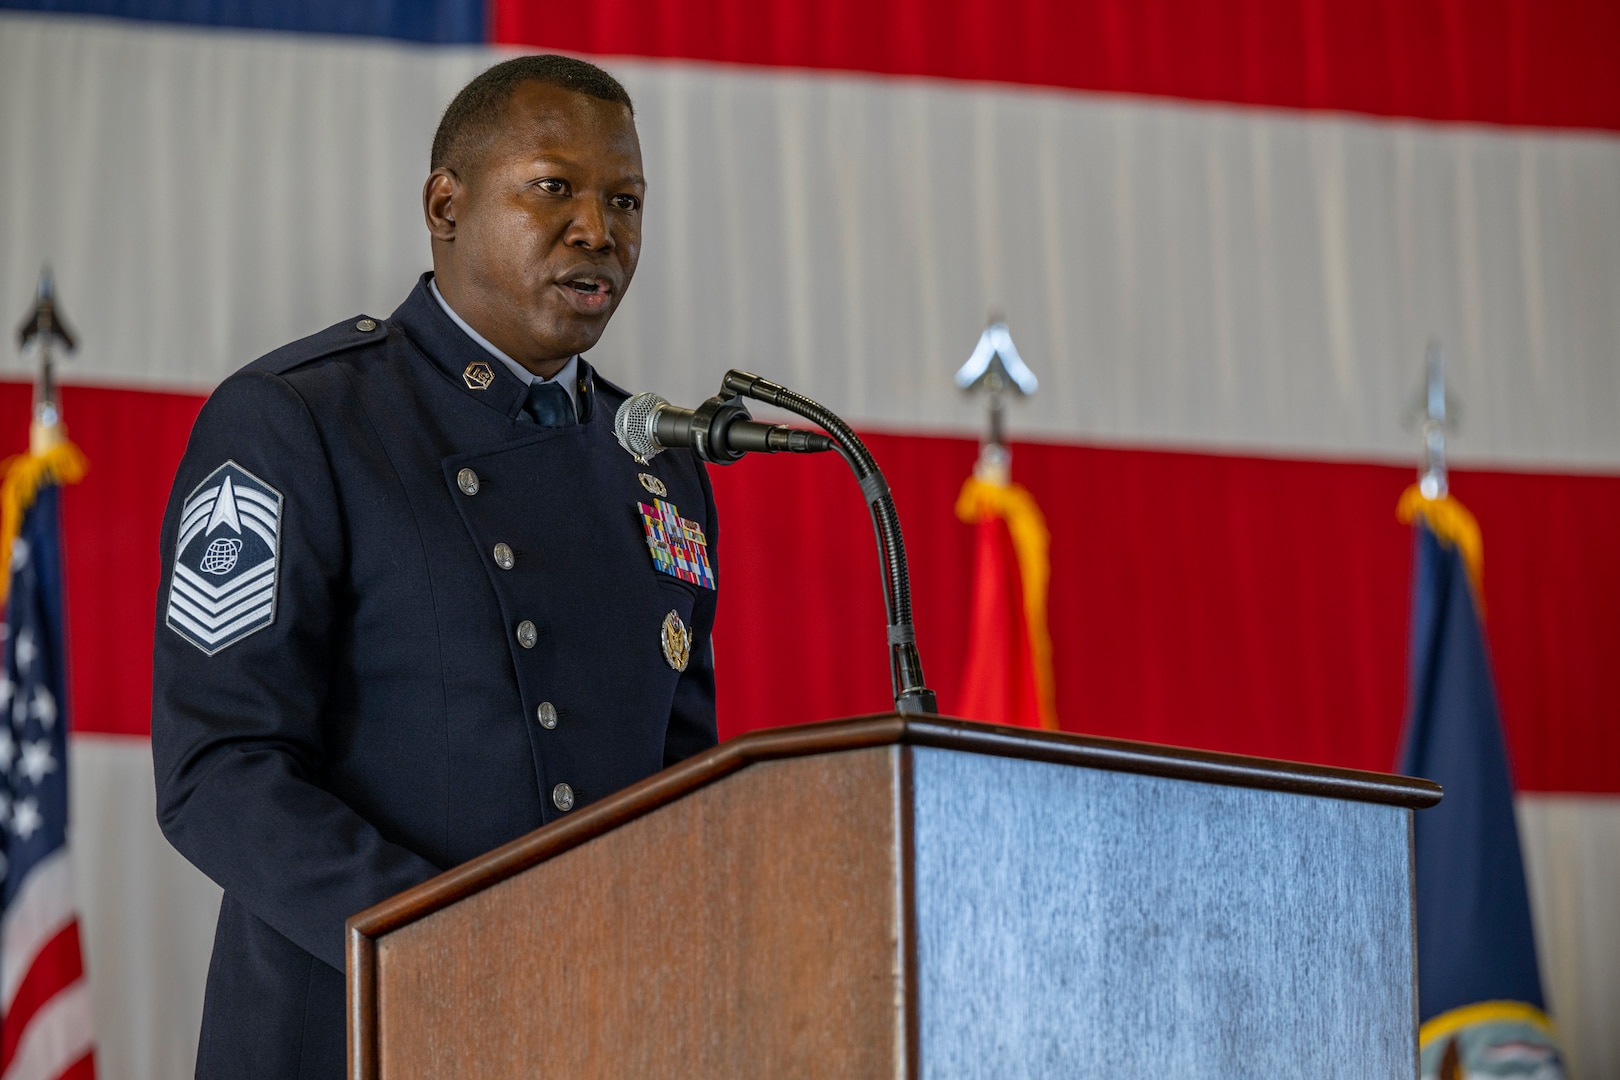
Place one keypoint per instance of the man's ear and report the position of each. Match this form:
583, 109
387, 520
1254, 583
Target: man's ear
439, 196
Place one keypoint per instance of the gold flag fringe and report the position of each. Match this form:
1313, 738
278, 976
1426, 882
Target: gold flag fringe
25, 474
982, 500
1452, 525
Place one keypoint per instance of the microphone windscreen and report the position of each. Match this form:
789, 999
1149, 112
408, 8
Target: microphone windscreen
633, 425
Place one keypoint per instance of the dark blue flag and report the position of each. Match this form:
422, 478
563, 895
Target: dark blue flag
1479, 987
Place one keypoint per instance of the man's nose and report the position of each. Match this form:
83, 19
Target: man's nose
590, 228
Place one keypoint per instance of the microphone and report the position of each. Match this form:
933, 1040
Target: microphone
720, 431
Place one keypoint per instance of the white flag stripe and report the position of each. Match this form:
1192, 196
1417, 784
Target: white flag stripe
60, 1034
220, 592
214, 619
42, 906
214, 637
1175, 273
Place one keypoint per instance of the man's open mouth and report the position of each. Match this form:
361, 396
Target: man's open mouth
588, 286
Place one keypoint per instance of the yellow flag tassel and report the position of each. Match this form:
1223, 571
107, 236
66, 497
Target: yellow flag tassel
1453, 525
982, 500
52, 460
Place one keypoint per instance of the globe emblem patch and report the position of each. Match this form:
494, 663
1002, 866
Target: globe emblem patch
223, 587
221, 556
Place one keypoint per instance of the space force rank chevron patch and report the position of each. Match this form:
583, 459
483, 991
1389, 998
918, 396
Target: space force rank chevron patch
678, 546
225, 566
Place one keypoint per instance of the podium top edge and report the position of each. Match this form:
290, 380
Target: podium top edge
891, 729
1086, 751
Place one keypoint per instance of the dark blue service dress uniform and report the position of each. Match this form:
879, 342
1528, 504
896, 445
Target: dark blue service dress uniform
401, 624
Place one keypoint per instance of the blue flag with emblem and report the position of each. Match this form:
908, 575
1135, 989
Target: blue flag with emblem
1479, 987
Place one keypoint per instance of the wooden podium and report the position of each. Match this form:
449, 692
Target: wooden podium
917, 898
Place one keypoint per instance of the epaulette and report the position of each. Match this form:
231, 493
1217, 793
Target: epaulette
340, 337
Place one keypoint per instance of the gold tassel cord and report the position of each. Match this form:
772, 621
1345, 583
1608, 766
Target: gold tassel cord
59, 463
1453, 525
1452, 1022
981, 500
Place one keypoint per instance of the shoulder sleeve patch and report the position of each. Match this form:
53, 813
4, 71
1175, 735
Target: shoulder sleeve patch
226, 560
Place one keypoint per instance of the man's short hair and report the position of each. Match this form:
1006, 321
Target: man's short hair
475, 115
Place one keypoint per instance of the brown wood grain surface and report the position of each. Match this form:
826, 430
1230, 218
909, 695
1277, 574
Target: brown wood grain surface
475, 891
750, 929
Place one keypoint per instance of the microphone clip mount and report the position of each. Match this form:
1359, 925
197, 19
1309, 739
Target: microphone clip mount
711, 422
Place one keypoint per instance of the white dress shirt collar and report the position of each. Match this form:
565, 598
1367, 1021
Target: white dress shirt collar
568, 376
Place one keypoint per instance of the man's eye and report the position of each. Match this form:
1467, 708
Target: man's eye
627, 202
552, 186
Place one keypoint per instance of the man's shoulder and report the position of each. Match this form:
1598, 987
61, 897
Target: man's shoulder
358, 332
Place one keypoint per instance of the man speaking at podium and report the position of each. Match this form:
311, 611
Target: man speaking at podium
416, 600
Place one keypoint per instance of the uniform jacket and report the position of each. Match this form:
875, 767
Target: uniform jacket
388, 576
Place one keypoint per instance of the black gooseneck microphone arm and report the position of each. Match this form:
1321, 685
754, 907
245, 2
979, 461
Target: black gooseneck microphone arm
911, 694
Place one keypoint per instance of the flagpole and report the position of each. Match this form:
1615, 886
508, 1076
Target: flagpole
1432, 479
996, 369
1430, 498
45, 326
51, 458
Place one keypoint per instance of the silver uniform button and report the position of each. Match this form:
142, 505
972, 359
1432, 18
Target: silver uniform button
366, 325
546, 713
467, 481
504, 558
562, 797
526, 634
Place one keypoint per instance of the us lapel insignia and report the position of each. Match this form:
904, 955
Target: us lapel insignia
223, 586
677, 641
678, 546
652, 484
478, 376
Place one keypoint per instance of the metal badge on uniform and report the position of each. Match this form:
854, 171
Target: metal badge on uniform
677, 641
226, 560
678, 546
478, 376
654, 485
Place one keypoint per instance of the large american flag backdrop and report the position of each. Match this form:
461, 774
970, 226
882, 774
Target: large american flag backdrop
1222, 234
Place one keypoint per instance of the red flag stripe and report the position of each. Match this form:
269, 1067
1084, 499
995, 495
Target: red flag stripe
83, 1069
1237, 603
58, 1039
1249, 605
1546, 63
57, 966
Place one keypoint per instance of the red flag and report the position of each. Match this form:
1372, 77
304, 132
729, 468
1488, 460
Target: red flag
1009, 668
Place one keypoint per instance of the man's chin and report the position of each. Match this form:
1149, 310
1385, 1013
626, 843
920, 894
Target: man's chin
555, 344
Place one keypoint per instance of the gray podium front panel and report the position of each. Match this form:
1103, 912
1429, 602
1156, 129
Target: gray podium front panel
1081, 923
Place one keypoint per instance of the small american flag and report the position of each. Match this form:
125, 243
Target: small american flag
45, 1022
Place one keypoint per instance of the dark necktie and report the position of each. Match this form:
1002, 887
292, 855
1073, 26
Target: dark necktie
550, 405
